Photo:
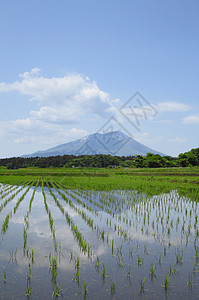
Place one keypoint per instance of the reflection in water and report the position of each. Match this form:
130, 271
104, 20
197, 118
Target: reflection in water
84, 244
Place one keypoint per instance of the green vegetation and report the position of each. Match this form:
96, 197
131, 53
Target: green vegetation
186, 159
148, 180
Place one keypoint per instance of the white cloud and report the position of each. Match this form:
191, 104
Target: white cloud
192, 119
173, 106
45, 90
33, 72
61, 101
30, 131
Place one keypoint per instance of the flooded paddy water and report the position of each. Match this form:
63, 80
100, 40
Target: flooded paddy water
76, 244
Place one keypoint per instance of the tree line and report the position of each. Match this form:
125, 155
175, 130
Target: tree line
186, 159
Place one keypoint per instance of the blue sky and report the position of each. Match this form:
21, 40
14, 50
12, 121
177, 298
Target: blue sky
67, 67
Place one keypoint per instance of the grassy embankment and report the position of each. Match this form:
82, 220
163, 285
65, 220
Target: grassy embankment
151, 181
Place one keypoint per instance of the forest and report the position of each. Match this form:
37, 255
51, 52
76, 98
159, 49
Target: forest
190, 158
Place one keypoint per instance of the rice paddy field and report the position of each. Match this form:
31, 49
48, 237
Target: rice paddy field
99, 234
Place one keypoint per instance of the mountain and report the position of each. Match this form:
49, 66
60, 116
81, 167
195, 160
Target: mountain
114, 143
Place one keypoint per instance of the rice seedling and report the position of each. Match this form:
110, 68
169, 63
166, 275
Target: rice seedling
76, 278
28, 291
32, 256
166, 281
173, 270
53, 268
142, 284
29, 273
190, 282
102, 235
120, 262
129, 271
85, 289
5, 223
159, 260
104, 275
77, 263
179, 256
152, 270
140, 260
4, 277
25, 240
107, 238
28, 280
113, 287
57, 292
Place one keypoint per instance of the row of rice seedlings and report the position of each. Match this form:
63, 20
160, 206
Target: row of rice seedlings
8, 191
53, 267
84, 246
121, 231
57, 186
22, 197
51, 222
93, 202
9, 215
113, 202
112, 208
115, 227
179, 255
103, 201
26, 217
73, 194
53, 260
96, 263
5, 188
145, 213
89, 221
120, 256
4, 204
75, 259
179, 261
100, 233
110, 201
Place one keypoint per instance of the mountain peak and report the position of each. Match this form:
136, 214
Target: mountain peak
114, 143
